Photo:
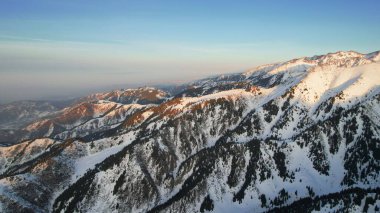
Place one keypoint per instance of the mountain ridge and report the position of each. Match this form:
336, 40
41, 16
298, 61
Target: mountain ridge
254, 141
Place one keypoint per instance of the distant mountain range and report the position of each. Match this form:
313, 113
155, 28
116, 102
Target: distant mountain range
24, 120
297, 136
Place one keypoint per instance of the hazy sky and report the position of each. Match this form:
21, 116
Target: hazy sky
51, 48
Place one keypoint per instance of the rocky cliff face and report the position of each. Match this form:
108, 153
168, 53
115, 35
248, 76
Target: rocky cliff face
304, 134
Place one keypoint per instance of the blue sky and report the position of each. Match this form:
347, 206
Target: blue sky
51, 48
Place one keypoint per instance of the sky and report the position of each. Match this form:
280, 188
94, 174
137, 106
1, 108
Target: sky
57, 49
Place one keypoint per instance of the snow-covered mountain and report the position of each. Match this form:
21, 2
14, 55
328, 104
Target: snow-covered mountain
18, 113
142, 95
14, 116
84, 116
284, 137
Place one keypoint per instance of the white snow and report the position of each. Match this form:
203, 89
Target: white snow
89, 162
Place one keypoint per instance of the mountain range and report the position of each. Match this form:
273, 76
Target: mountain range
301, 135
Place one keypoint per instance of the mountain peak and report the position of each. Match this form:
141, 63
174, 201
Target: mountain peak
374, 56
141, 95
337, 59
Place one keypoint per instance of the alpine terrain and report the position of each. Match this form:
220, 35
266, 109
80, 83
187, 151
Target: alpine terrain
297, 136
